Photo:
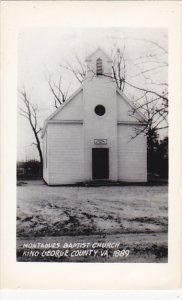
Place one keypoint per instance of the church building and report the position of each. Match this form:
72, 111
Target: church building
92, 136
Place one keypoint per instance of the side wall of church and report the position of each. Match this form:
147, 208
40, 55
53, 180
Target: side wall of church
65, 148
45, 159
132, 154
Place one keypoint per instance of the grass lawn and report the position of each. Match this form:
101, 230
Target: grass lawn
136, 217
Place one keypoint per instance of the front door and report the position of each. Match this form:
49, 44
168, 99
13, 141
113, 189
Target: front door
100, 163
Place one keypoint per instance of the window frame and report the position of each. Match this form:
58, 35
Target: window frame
99, 67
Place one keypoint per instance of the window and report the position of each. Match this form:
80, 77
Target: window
99, 70
100, 110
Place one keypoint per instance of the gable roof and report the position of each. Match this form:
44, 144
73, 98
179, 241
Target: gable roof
98, 49
60, 108
126, 99
137, 112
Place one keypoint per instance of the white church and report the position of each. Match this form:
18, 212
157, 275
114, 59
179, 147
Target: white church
89, 137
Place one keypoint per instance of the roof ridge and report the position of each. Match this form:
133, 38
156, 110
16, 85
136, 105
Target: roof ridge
98, 49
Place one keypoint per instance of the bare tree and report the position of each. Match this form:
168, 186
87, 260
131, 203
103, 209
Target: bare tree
151, 98
30, 112
119, 67
155, 116
79, 70
59, 96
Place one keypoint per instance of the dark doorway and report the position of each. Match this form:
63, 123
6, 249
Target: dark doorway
100, 163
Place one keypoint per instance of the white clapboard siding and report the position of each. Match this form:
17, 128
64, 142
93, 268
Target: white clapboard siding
65, 147
132, 155
45, 159
72, 110
70, 132
124, 111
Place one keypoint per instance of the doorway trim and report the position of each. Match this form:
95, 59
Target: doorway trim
100, 163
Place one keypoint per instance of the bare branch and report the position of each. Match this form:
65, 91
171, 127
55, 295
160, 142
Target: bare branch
30, 113
147, 71
150, 42
148, 91
56, 89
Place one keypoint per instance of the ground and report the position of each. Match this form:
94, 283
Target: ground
132, 220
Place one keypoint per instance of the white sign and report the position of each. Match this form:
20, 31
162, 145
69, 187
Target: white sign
100, 142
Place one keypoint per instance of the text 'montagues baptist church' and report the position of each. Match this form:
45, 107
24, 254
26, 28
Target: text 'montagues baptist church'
89, 137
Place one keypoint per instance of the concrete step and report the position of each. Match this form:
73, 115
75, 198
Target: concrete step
102, 183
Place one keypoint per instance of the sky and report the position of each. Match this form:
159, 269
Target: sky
41, 51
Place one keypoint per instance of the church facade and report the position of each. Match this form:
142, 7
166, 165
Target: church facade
92, 136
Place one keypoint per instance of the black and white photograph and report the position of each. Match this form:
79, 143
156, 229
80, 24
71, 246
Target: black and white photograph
91, 150
92, 145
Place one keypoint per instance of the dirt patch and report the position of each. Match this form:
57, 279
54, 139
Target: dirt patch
65, 212
157, 221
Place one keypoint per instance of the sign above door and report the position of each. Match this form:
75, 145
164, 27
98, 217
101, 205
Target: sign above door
100, 141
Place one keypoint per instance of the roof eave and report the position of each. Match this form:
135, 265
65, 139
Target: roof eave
131, 104
59, 108
88, 58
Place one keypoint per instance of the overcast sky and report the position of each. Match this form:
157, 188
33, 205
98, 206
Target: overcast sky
42, 50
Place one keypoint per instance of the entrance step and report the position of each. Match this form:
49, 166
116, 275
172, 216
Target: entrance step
102, 183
